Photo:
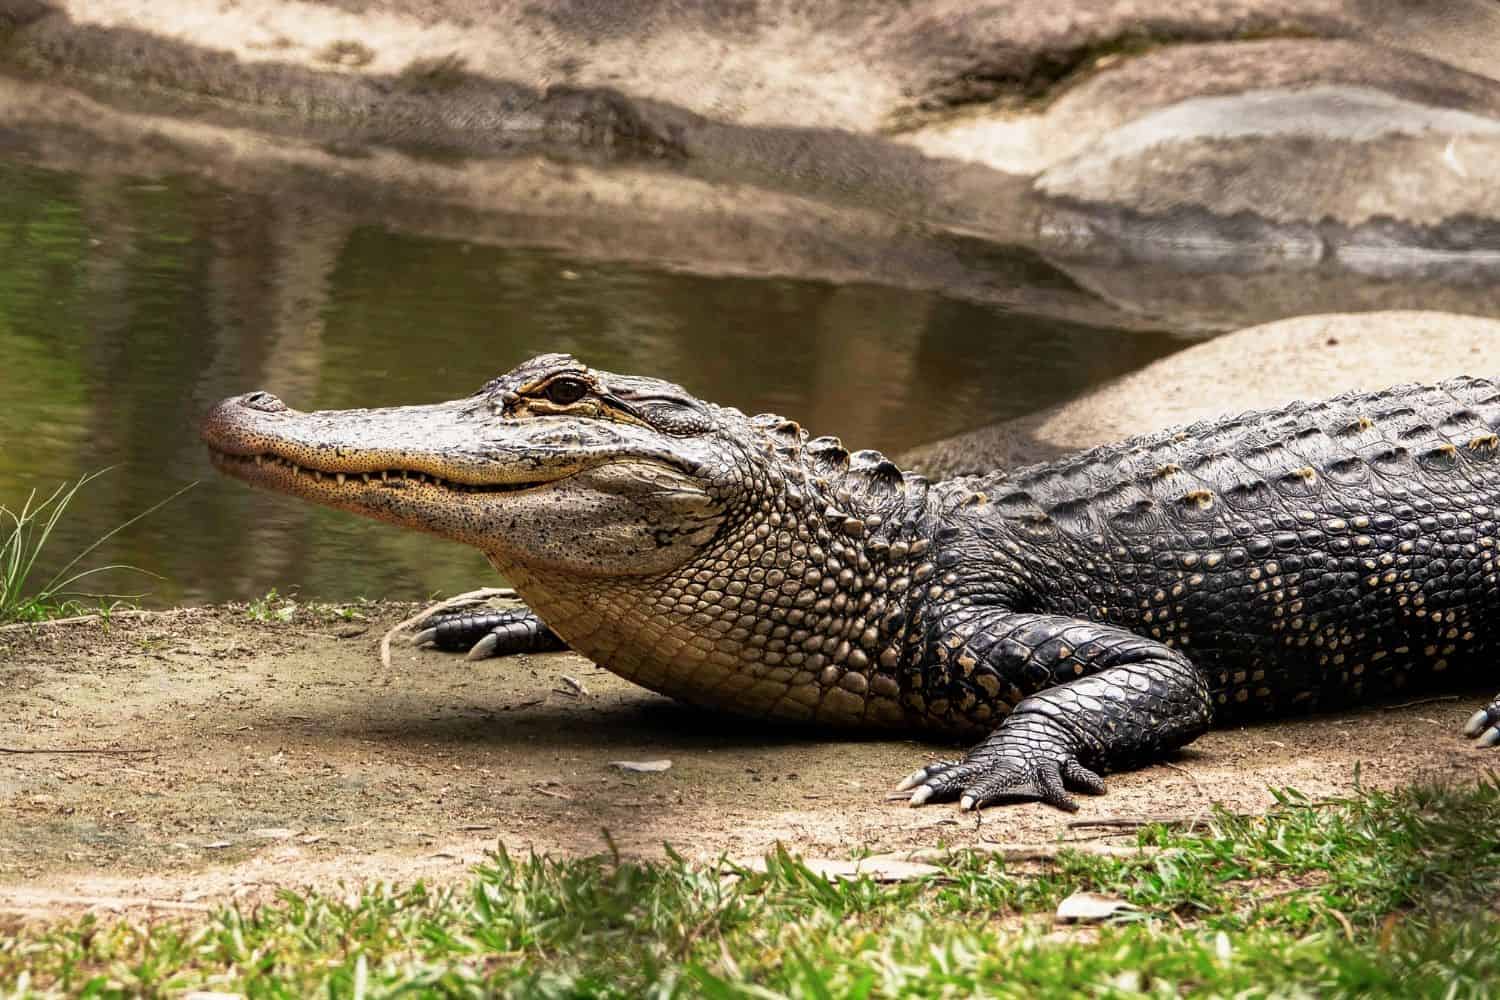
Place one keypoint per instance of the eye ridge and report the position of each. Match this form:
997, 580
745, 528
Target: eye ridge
566, 390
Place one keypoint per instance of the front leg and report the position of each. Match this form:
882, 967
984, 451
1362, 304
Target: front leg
1485, 725
488, 632
1101, 698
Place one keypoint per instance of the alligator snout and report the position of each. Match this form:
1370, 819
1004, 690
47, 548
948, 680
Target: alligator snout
235, 425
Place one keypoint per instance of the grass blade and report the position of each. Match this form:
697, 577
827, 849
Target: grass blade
26, 532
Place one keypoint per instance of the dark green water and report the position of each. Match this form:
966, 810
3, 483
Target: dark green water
127, 307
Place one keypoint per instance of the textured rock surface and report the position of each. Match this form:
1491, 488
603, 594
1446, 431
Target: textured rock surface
1264, 366
1301, 131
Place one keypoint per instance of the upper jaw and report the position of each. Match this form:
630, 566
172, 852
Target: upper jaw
462, 446
438, 441
271, 470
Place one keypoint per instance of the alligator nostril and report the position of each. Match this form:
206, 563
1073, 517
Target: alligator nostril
263, 401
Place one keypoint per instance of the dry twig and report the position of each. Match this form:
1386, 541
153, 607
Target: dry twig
103, 750
25, 899
1133, 822
1419, 701
1036, 852
96, 617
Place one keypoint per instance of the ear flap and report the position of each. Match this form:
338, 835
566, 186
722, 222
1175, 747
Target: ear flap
672, 418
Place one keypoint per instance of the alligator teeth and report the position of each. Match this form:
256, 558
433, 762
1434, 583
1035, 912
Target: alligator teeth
365, 476
260, 460
385, 476
340, 477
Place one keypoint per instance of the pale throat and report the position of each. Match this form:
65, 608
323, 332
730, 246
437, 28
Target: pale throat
768, 622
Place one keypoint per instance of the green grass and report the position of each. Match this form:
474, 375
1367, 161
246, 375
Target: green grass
25, 534
1379, 895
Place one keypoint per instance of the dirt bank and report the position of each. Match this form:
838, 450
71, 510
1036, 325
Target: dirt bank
251, 755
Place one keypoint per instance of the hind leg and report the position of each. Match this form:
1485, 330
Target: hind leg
489, 633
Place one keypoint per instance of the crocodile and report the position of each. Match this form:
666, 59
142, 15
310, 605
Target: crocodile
1076, 617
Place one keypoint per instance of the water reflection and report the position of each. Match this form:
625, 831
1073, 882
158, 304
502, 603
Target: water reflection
126, 307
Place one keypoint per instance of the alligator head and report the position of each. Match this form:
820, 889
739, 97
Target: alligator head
684, 545
554, 465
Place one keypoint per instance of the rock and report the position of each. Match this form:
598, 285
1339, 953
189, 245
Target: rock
842, 65
1306, 357
1089, 111
1294, 132
1333, 151
641, 766
1378, 182
1091, 908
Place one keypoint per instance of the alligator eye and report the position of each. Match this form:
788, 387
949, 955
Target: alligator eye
566, 391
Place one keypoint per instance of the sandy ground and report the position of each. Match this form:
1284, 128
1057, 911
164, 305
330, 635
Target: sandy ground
250, 755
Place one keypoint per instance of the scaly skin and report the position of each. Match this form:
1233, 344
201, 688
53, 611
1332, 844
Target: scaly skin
1083, 615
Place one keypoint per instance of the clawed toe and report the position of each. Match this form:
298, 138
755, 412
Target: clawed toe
1033, 762
938, 782
922, 774
1477, 723
1082, 779
484, 648
1484, 725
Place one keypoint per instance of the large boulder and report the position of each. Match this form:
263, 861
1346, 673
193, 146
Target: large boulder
1264, 366
1260, 134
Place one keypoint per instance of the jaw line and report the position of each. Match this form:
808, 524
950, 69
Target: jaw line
345, 488
270, 470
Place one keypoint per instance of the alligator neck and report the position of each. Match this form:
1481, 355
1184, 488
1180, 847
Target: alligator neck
800, 609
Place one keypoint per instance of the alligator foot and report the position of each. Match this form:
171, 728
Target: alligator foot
489, 633
1116, 699
1485, 724
1027, 759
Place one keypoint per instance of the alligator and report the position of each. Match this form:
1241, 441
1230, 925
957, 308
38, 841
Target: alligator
1074, 617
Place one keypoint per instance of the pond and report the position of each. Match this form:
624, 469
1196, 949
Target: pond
129, 305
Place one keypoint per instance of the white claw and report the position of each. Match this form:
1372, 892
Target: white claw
484, 648
423, 637
912, 780
1491, 737
1476, 723
921, 795
967, 803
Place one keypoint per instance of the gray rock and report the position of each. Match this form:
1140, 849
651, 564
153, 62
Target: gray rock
1306, 357
1358, 136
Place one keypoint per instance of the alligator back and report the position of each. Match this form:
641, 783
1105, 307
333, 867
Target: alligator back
1308, 555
